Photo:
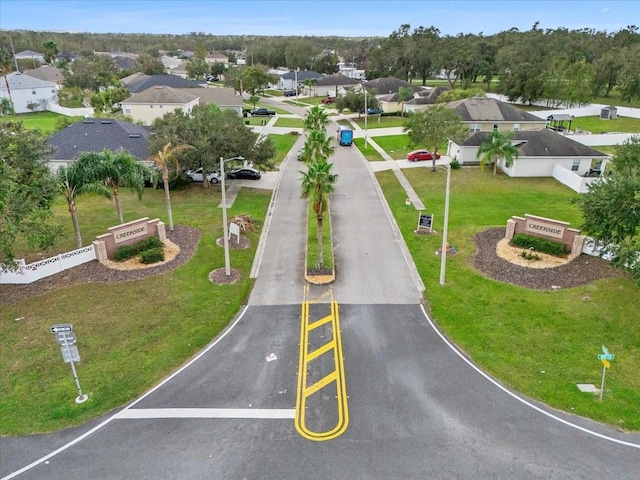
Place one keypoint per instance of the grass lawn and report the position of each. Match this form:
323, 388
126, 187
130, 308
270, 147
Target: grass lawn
290, 122
539, 343
397, 146
283, 144
255, 121
596, 125
45, 121
376, 121
130, 334
299, 103
370, 153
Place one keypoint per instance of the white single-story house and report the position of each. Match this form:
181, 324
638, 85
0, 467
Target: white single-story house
293, 79
333, 85
216, 57
27, 93
542, 153
30, 55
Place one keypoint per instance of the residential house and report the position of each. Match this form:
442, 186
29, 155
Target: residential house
542, 153
216, 57
154, 102
170, 62
292, 80
139, 82
47, 73
223, 97
422, 99
96, 135
488, 114
386, 92
68, 57
333, 85
27, 93
351, 71
30, 55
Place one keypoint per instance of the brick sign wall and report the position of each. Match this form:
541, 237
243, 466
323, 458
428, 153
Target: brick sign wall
550, 229
128, 234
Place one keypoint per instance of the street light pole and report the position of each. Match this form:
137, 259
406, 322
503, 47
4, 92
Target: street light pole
366, 114
443, 253
227, 265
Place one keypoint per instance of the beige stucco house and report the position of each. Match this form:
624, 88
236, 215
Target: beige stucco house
154, 102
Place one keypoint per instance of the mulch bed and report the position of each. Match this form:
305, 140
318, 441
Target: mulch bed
583, 269
185, 237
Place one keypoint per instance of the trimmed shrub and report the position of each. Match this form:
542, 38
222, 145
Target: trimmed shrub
130, 251
455, 164
152, 255
539, 244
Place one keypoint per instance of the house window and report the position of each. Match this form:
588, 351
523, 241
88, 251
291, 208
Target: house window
150, 106
33, 92
53, 91
127, 110
516, 127
495, 127
474, 128
576, 164
160, 106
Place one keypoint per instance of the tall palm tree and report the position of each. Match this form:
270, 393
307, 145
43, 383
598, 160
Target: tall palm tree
318, 147
118, 170
164, 159
317, 183
497, 146
76, 179
316, 119
309, 83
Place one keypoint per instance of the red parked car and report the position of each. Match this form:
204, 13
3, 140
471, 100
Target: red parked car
418, 155
328, 100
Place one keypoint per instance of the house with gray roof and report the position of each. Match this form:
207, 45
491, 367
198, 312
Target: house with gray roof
47, 73
154, 102
225, 98
386, 92
27, 93
30, 55
293, 79
138, 82
422, 99
484, 114
541, 153
333, 85
96, 135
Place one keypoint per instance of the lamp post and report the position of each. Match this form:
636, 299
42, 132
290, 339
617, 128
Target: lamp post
227, 266
443, 253
366, 114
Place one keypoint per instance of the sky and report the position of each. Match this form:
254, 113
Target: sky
349, 18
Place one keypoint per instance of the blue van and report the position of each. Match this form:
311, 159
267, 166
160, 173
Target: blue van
345, 135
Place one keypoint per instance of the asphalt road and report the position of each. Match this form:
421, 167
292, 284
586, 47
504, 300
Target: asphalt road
415, 407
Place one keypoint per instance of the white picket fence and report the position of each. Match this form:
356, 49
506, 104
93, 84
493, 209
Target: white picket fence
47, 267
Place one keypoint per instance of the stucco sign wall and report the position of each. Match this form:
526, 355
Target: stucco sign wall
548, 229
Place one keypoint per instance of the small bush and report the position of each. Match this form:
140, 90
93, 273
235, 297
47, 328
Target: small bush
527, 255
539, 244
152, 255
179, 181
454, 164
130, 251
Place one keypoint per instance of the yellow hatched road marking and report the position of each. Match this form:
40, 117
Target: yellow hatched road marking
337, 376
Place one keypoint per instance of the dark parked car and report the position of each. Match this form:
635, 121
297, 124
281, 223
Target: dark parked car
418, 155
289, 93
245, 172
262, 112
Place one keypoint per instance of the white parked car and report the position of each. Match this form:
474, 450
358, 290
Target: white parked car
196, 176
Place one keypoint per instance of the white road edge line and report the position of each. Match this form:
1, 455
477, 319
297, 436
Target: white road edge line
108, 420
143, 413
522, 400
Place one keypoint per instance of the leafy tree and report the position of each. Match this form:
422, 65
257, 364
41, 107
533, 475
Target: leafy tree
404, 94
197, 68
6, 107
200, 52
150, 65
165, 160
6, 67
50, 51
106, 99
459, 93
92, 72
433, 127
27, 64
217, 68
326, 64
611, 209
254, 99
70, 97
497, 146
355, 101
317, 183
629, 78
27, 192
423, 43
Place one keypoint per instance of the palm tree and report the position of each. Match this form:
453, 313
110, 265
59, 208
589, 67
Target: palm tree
497, 146
318, 147
119, 170
316, 119
50, 51
317, 184
76, 179
309, 83
165, 158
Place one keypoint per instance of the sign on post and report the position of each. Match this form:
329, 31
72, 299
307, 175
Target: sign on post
605, 357
70, 354
425, 221
234, 229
